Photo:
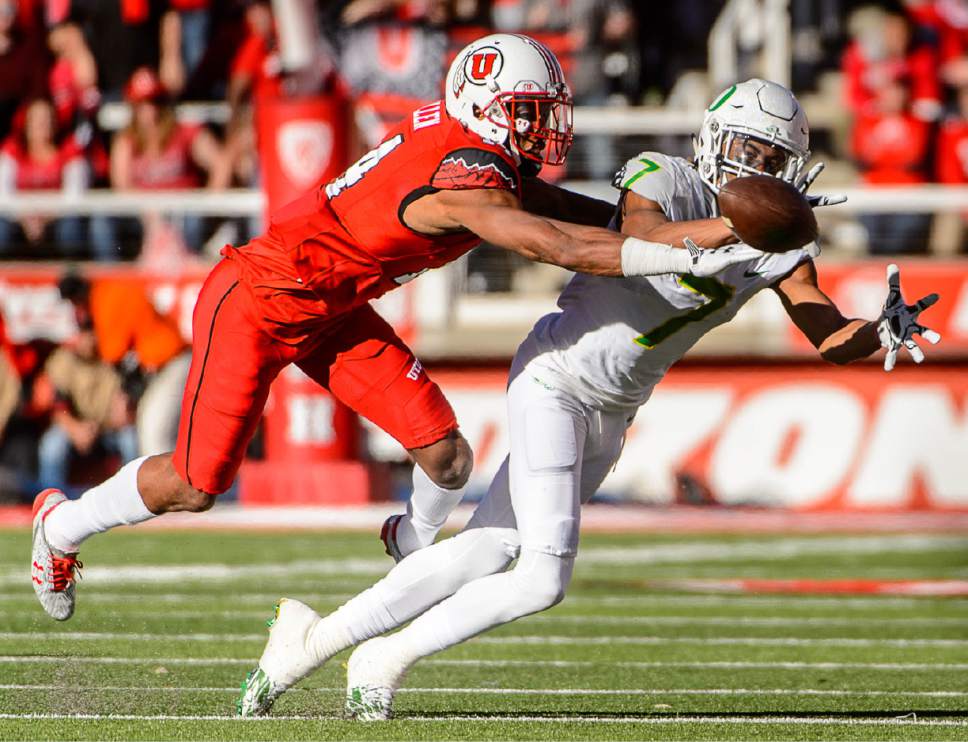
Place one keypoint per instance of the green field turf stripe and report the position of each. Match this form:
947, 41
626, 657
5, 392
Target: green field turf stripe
533, 691
556, 719
644, 665
752, 641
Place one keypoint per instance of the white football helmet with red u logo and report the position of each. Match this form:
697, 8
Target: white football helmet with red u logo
510, 89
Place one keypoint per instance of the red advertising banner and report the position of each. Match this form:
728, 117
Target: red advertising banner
804, 436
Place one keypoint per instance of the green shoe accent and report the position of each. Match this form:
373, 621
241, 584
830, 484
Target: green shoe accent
363, 708
257, 696
275, 617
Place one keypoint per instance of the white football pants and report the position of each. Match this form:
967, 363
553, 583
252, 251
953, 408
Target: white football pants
561, 451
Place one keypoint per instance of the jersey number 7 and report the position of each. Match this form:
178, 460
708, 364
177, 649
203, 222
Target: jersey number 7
716, 294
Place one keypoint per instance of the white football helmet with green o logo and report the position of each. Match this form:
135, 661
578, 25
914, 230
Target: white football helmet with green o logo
756, 109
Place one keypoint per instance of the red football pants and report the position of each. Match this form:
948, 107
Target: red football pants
359, 359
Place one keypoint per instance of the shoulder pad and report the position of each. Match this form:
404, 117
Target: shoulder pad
474, 168
638, 167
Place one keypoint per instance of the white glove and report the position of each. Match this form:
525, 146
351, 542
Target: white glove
708, 262
816, 201
898, 322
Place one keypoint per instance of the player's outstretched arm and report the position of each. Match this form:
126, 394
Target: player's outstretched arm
496, 216
841, 340
643, 218
544, 199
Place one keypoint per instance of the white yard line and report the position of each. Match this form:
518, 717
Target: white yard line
740, 550
530, 691
769, 549
752, 641
647, 620
722, 665
765, 641
95, 594
795, 600
714, 665
503, 718
591, 619
178, 573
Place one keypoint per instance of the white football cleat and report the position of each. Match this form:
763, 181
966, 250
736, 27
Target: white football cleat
388, 535
285, 661
372, 679
52, 572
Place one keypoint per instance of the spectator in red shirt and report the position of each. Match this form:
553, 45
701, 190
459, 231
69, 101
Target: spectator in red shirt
184, 39
951, 165
34, 160
23, 65
157, 152
73, 75
947, 20
884, 50
891, 147
256, 72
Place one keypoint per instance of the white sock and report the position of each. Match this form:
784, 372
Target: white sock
115, 502
427, 512
421, 580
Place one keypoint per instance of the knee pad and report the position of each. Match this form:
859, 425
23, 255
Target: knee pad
540, 579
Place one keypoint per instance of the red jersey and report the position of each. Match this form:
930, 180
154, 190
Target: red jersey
259, 62
952, 152
863, 77
173, 167
35, 175
891, 149
345, 243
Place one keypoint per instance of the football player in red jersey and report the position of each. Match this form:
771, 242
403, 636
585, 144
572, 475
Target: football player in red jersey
455, 173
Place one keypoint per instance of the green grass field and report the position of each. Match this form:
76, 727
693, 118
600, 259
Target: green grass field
168, 623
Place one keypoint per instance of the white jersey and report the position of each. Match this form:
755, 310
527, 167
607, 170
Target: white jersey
615, 338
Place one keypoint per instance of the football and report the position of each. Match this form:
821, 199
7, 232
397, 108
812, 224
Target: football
767, 213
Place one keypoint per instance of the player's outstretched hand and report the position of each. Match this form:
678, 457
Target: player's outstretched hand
822, 200
898, 322
708, 262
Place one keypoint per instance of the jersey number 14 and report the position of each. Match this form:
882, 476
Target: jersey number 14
355, 172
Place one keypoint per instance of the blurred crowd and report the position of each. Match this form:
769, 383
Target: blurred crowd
906, 86
112, 392
63, 61
904, 69
74, 411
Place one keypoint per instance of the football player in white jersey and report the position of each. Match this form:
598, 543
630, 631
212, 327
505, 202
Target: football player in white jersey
576, 383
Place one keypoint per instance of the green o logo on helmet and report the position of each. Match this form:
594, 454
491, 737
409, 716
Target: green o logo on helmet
723, 98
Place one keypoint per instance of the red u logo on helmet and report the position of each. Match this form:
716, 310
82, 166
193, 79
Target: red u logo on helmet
482, 65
